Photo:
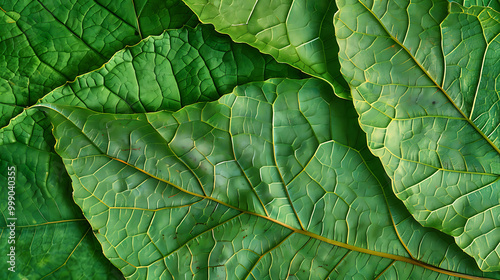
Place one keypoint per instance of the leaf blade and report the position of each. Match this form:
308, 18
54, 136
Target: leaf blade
46, 44
134, 80
437, 155
238, 219
299, 33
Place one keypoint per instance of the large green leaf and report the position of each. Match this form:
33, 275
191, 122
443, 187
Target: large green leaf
297, 32
44, 44
273, 181
425, 82
162, 72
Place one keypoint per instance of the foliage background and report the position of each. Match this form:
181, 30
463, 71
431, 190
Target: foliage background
99, 55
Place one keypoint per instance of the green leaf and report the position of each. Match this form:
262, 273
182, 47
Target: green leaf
180, 67
495, 4
296, 32
161, 72
272, 181
56, 252
44, 44
424, 82
52, 237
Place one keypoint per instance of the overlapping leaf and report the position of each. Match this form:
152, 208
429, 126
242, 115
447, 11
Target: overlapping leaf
52, 238
298, 32
65, 250
163, 72
495, 4
425, 83
180, 67
273, 181
44, 44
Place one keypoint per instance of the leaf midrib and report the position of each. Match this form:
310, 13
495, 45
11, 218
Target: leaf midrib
294, 230
497, 149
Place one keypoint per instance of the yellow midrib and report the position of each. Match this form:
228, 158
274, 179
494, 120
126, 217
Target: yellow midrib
497, 149
295, 230
313, 235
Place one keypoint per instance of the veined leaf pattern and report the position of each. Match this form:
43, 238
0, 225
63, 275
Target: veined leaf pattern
268, 182
297, 32
273, 181
44, 44
425, 82
495, 4
160, 73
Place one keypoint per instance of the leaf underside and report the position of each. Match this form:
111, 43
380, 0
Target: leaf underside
433, 119
266, 175
181, 66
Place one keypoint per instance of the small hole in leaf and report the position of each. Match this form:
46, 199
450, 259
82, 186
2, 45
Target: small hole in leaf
136, 33
433, 102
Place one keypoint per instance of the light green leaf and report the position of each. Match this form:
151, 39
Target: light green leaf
44, 44
272, 181
297, 32
162, 72
495, 4
425, 82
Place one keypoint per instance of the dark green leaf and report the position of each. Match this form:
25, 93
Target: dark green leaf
44, 44
52, 237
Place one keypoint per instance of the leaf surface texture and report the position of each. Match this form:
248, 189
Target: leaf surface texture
265, 183
433, 118
298, 32
160, 73
44, 44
